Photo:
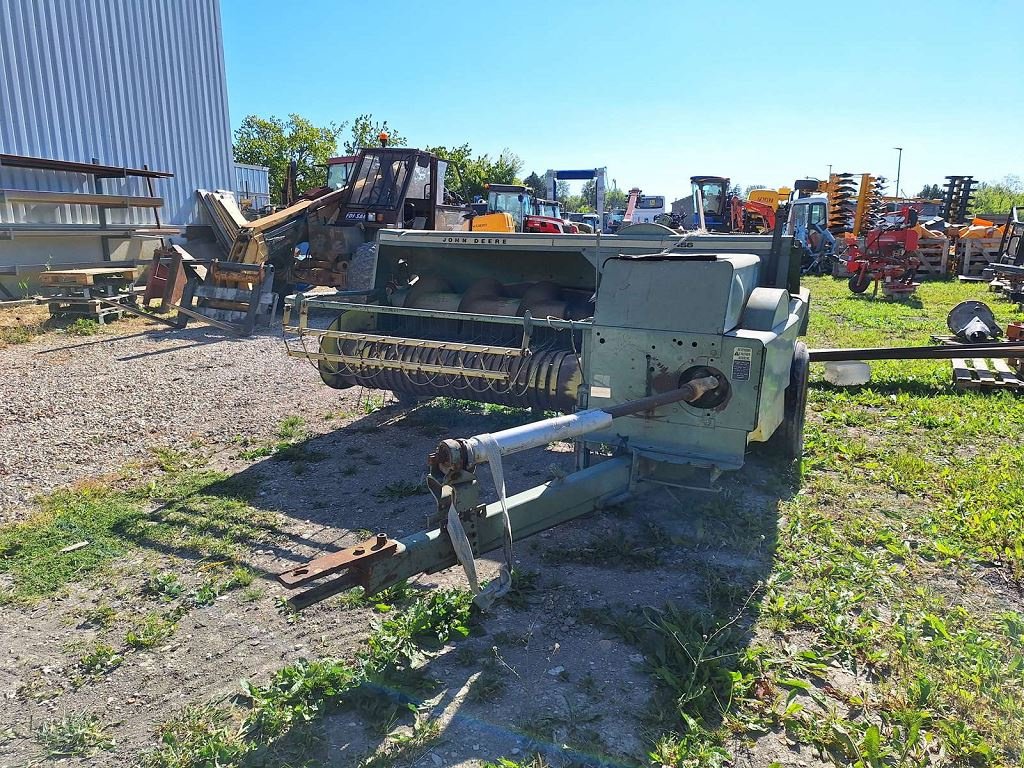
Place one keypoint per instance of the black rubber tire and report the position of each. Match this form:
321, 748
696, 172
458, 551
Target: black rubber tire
859, 281
790, 433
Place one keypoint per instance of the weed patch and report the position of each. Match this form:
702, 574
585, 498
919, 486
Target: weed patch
616, 549
151, 630
298, 695
401, 489
74, 735
100, 660
83, 327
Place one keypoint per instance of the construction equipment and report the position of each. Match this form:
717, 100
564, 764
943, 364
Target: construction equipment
717, 209
647, 209
888, 258
588, 223
711, 207
548, 217
808, 223
382, 188
751, 216
513, 208
598, 175
686, 355
1006, 273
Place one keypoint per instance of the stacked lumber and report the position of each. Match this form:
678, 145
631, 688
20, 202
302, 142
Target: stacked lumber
225, 216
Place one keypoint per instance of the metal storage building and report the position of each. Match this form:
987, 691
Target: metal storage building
127, 83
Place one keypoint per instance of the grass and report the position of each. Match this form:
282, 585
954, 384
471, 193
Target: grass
401, 489
193, 513
83, 327
149, 631
292, 445
615, 549
18, 335
275, 722
74, 735
911, 494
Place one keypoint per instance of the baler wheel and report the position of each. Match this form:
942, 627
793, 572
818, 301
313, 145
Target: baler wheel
791, 431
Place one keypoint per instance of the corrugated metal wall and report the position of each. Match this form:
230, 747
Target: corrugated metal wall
252, 182
129, 82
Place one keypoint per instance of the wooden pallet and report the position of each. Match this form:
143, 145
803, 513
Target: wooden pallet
86, 308
69, 277
934, 256
974, 254
985, 373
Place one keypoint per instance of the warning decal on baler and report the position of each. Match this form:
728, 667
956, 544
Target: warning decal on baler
741, 357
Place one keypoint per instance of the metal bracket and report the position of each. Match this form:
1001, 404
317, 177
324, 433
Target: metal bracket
351, 559
459, 486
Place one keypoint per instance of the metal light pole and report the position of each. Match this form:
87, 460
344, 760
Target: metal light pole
899, 165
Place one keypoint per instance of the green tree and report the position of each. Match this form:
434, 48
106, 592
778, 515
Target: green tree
536, 182
750, 188
615, 198
561, 191
998, 197
274, 143
932, 192
366, 133
468, 174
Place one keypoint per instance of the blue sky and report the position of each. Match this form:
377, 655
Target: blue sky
762, 92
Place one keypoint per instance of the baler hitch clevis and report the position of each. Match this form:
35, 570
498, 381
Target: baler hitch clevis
471, 528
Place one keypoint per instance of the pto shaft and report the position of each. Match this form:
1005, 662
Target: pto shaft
464, 454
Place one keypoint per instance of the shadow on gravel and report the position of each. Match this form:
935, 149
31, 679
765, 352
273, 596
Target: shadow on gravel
199, 336
674, 578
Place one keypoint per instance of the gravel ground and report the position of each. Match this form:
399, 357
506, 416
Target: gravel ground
77, 407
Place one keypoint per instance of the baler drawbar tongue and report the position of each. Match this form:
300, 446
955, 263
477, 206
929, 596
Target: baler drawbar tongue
380, 562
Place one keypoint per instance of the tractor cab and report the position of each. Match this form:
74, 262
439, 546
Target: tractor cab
381, 188
711, 205
513, 199
395, 188
339, 170
547, 217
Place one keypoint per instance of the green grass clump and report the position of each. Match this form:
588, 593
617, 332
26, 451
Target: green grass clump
401, 489
18, 335
198, 736
74, 735
100, 659
165, 586
83, 327
31, 551
151, 630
